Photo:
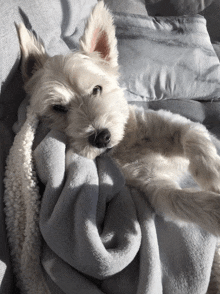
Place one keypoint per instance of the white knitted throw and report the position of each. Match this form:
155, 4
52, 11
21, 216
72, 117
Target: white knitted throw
22, 204
22, 201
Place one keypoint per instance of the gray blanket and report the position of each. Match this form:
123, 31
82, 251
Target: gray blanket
103, 237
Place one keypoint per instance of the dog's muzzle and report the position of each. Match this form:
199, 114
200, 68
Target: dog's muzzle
100, 138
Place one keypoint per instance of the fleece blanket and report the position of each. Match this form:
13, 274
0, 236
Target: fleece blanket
82, 230
102, 237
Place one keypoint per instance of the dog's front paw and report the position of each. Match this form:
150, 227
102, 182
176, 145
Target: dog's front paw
206, 172
213, 175
208, 211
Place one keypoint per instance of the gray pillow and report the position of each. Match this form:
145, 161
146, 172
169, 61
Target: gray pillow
163, 58
176, 7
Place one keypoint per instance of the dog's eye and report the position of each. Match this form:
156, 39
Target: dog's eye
146, 139
60, 108
96, 90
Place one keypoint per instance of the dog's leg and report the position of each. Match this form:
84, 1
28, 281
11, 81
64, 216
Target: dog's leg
199, 207
193, 141
204, 160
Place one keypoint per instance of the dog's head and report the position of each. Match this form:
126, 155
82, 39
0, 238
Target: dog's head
79, 93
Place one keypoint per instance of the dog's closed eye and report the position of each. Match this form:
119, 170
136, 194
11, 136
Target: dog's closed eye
60, 108
146, 139
97, 90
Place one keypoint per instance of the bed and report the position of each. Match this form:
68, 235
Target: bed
88, 232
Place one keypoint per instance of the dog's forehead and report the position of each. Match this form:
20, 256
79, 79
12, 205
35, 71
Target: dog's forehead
78, 70
85, 78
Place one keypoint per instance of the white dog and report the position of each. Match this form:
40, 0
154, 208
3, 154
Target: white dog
79, 94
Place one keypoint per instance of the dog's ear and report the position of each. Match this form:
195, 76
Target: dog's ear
32, 50
99, 35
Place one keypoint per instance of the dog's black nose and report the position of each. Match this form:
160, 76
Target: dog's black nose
100, 139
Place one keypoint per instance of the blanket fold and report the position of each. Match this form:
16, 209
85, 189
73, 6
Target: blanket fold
86, 230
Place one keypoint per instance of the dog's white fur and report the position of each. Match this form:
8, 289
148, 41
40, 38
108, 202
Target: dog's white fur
153, 149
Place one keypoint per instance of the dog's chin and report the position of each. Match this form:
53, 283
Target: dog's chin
89, 152
93, 152
86, 150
